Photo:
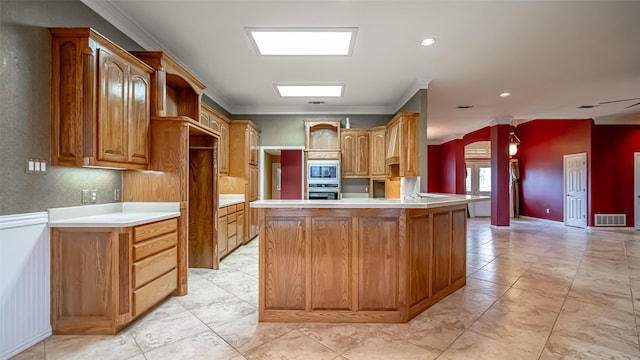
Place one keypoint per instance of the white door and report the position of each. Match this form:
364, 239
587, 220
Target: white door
637, 191
276, 180
575, 190
478, 182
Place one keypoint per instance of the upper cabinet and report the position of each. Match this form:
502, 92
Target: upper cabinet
377, 151
322, 138
355, 152
176, 92
402, 145
220, 124
100, 102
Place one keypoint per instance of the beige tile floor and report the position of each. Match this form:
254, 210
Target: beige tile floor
537, 291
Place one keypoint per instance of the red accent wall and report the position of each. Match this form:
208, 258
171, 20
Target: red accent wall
612, 149
433, 168
291, 164
543, 143
452, 167
483, 134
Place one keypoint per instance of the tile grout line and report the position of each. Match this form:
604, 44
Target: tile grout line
563, 304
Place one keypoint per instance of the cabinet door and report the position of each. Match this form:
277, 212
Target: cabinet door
409, 152
222, 236
254, 144
138, 122
348, 149
224, 148
113, 88
253, 183
376, 160
204, 117
239, 227
361, 156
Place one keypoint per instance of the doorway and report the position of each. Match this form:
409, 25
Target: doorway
478, 182
575, 190
637, 190
279, 178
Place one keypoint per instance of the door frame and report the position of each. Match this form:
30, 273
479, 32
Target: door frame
262, 171
475, 164
636, 195
564, 189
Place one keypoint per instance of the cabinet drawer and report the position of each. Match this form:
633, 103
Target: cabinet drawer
150, 294
144, 232
240, 207
152, 246
154, 266
223, 211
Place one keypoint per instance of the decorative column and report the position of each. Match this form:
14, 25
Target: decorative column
500, 176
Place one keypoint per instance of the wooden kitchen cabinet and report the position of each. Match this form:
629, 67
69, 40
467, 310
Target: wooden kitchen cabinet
377, 151
103, 278
322, 139
100, 102
220, 124
231, 223
354, 149
224, 146
401, 142
244, 143
223, 247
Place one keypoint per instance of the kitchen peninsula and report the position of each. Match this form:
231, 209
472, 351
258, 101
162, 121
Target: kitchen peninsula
360, 260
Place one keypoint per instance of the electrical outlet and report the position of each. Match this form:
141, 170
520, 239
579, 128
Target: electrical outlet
116, 194
85, 196
547, 211
93, 196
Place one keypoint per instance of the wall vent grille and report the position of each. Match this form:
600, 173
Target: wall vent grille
611, 220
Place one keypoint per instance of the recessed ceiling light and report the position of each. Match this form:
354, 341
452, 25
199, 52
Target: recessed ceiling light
303, 41
505, 94
310, 90
587, 106
465, 107
428, 41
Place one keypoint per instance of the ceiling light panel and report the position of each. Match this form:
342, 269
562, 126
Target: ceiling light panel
302, 41
310, 90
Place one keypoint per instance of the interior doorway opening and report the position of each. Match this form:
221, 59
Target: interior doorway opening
477, 156
281, 172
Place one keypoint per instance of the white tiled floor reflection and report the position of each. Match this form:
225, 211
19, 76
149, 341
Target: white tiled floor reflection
536, 291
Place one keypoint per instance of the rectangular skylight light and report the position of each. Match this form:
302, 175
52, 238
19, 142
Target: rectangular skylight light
310, 90
303, 41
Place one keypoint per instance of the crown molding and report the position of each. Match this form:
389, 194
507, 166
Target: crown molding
410, 92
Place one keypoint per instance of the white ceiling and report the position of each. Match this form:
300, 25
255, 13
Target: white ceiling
552, 56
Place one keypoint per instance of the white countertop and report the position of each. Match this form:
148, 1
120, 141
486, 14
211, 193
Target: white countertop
424, 202
113, 215
230, 199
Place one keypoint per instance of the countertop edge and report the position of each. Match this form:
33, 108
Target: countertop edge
136, 219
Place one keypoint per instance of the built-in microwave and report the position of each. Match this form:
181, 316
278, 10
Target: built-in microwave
319, 171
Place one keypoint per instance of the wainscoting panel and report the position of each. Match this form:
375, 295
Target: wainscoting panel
25, 298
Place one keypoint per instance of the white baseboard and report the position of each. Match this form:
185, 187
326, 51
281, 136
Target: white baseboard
539, 219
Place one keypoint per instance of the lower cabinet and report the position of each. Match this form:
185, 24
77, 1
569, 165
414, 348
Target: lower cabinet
230, 228
103, 278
